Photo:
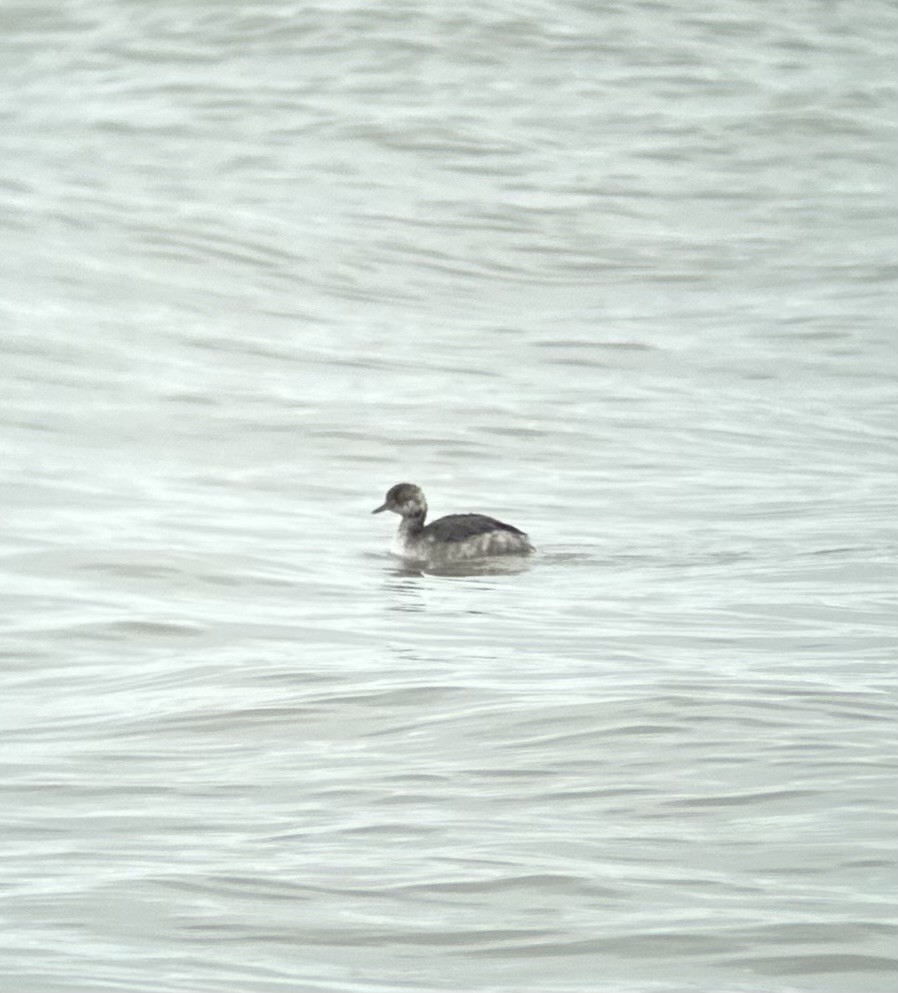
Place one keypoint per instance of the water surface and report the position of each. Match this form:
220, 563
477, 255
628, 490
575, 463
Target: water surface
623, 277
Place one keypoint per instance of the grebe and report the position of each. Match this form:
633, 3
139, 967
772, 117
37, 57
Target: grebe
455, 538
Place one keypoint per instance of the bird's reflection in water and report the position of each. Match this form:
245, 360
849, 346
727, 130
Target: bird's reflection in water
495, 566
403, 580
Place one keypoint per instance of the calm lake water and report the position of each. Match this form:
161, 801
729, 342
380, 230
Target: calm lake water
623, 275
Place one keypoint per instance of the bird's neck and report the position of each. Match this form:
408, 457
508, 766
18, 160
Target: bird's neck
413, 524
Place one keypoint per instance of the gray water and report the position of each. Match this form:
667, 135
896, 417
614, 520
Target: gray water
623, 275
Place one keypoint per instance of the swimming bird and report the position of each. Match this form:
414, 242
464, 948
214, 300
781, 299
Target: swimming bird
454, 538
